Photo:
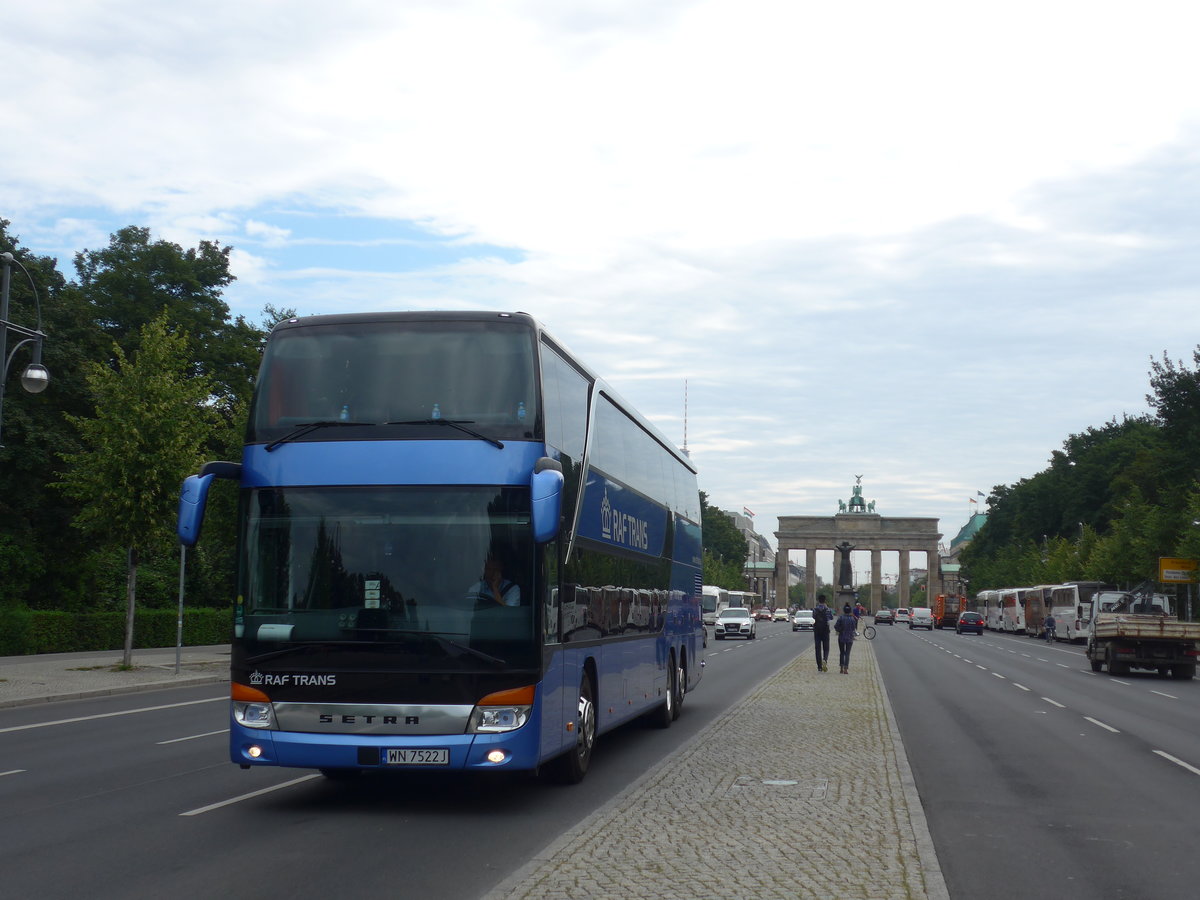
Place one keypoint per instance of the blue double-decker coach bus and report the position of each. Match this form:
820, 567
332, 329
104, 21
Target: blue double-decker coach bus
458, 549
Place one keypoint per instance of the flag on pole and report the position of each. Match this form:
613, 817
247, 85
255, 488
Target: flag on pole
972, 500
747, 512
981, 494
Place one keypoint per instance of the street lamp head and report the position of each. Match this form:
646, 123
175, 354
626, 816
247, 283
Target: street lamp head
35, 378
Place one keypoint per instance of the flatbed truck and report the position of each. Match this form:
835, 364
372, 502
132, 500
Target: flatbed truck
1136, 630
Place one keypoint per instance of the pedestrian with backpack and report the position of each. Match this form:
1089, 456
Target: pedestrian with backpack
821, 616
844, 626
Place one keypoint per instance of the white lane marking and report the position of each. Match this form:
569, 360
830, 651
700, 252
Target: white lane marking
124, 712
193, 737
12, 772
1021, 686
997, 674
251, 795
1102, 725
1062, 665
1119, 681
1054, 703
978, 666
1178, 762
1168, 696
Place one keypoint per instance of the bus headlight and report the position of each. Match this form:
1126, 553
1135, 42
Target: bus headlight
253, 715
502, 711
494, 719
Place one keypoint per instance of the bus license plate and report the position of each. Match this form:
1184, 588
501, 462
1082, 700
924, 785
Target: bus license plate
418, 756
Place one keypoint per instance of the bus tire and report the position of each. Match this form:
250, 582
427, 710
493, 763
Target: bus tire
664, 714
680, 687
573, 765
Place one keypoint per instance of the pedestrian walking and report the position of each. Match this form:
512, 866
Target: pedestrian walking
821, 618
844, 626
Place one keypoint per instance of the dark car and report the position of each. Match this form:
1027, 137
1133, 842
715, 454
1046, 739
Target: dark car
885, 617
969, 621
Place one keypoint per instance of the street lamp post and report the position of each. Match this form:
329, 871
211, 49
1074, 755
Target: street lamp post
36, 376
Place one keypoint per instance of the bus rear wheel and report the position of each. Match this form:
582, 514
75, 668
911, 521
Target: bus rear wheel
668, 711
573, 765
680, 688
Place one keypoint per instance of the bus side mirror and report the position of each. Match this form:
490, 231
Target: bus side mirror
545, 487
193, 497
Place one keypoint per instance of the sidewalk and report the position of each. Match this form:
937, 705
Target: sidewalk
26, 680
802, 790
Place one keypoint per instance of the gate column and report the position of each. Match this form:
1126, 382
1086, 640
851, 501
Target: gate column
877, 576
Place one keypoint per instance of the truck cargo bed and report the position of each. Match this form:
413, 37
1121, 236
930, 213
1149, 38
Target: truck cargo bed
1141, 627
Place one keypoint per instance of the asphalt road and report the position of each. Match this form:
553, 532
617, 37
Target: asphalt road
133, 796
1041, 779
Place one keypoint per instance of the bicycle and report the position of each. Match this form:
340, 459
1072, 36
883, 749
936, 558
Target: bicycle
868, 631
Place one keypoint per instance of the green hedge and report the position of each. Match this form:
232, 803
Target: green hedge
24, 631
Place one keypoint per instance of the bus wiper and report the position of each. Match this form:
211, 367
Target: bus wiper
306, 428
460, 424
307, 645
445, 642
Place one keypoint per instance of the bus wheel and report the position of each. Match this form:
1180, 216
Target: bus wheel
573, 765
680, 689
667, 712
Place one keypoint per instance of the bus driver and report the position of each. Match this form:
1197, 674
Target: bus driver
493, 587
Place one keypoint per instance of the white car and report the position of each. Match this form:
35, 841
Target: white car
781, 615
902, 615
920, 617
735, 621
803, 620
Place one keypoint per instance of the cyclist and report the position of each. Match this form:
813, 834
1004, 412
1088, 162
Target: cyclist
1048, 629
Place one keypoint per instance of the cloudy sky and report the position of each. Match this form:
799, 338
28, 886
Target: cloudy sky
923, 242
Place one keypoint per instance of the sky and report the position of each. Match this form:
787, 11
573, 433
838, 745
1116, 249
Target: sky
923, 243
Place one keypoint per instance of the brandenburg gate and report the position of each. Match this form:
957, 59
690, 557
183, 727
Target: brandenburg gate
858, 527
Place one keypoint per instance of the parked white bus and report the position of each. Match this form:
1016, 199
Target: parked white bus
1037, 606
745, 599
713, 599
1012, 610
987, 604
1071, 604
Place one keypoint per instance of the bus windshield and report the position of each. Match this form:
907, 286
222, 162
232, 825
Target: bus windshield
442, 575
401, 374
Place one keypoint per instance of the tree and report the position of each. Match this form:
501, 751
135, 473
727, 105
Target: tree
152, 417
721, 536
129, 282
35, 533
722, 573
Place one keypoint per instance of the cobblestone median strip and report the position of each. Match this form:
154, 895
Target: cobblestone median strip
802, 790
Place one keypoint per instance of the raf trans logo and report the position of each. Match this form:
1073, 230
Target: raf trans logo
623, 528
279, 679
